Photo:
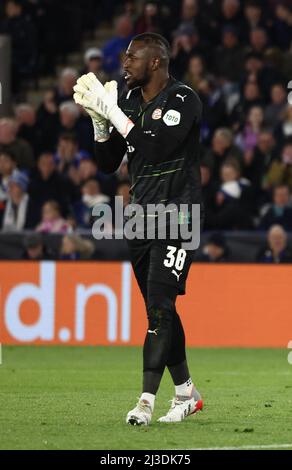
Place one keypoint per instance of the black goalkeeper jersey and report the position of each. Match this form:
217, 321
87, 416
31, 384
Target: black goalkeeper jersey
162, 147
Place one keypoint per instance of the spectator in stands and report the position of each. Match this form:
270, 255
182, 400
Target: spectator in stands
284, 129
214, 109
7, 167
273, 71
93, 61
247, 139
28, 128
74, 247
34, 248
195, 13
71, 122
253, 17
275, 110
232, 200
272, 4
91, 196
190, 10
189, 14
258, 39
128, 7
280, 212
222, 149
52, 220
229, 56
23, 40
253, 65
257, 161
209, 20
282, 25
251, 97
230, 14
17, 212
48, 121
196, 72
119, 43
69, 114
186, 43
18, 147
150, 20
259, 69
47, 184
215, 250
87, 168
277, 249
68, 154
280, 171
67, 80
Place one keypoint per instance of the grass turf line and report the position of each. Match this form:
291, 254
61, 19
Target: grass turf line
77, 398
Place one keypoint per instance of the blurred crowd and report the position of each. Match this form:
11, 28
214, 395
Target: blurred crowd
237, 55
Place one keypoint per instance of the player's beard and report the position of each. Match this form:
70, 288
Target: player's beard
141, 82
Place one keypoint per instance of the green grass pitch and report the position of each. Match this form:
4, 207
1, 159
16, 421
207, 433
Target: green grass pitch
78, 397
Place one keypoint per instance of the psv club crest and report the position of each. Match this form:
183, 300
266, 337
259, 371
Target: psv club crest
157, 113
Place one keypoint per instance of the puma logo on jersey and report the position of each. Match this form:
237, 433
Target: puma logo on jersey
182, 97
176, 274
153, 331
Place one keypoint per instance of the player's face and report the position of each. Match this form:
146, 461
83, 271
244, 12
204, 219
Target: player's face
137, 65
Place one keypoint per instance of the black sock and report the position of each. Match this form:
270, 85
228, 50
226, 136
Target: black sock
177, 363
177, 350
151, 381
160, 312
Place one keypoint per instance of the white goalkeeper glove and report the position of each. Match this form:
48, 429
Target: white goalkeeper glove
94, 97
100, 124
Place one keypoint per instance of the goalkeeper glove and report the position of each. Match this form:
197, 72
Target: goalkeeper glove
93, 96
100, 124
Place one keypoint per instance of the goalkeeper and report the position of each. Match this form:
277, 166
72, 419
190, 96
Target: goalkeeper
157, 123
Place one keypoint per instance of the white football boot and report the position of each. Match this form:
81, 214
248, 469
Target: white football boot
140, 415
181, 407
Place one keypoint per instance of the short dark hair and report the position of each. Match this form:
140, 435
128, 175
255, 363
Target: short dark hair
253, 3
156, 41
88, 180
280, 186
19, 3
280, 84
8, 154
287, 141
54, 204
69, 136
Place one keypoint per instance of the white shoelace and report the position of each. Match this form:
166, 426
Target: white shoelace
143, 407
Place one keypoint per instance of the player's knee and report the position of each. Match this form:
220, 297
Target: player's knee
160, 313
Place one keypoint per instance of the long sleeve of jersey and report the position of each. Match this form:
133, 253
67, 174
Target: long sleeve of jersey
109, 154
182, 111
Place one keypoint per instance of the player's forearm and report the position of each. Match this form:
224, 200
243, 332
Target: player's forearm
109, 154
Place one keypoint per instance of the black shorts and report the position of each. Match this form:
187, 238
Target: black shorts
160, 261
